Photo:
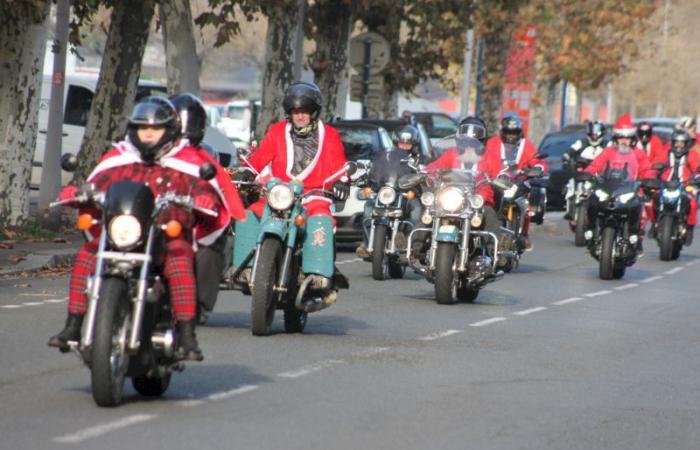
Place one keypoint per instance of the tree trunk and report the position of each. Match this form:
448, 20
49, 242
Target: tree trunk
496, 50
181, 62
22, 48
279, 62
330, 60
116, 88
542, 113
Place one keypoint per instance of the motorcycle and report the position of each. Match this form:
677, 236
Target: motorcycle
460, 259
614, 201
289, 254
128, 328
577, 194
389, 225
512, 194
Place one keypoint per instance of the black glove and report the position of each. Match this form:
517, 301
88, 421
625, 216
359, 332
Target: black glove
243, 175
340, 190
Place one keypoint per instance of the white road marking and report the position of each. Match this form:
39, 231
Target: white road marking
239, 390
370, 352
650, 279
33, 303
311, 368
442, 334
347, 261
674, 270
487, 322
691, 263
567, 300
530, 311
626, 286
99, 430
12, 306
55, 300
189, 403
598, 294
24, 294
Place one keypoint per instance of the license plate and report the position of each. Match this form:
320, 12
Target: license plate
447, 229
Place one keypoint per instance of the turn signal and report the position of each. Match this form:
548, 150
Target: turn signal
299, 220
410, 195
689, 189
84, 222
173, 229
426, 219
367, 191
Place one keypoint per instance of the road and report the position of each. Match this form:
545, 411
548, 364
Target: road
550, 357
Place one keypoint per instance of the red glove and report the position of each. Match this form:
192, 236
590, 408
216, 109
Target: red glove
68, 192
206, 202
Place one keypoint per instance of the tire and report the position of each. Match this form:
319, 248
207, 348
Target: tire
379, 269
151, 386
110, 360
607, 263
445, 286
294, 319
619, 272
665, 234
264, 301
580, 230
467, 295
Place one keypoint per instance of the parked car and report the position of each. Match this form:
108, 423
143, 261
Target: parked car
426, 147
362, 141
438, 125
238, 121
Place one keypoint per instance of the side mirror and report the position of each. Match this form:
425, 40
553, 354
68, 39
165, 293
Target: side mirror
541, 155
351, 168
534, 172
69, 162
207, 171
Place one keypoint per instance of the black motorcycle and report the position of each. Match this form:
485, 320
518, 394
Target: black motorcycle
128, 328
577, 193
614, 214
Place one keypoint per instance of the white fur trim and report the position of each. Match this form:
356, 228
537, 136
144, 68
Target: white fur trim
311, 198
211, 237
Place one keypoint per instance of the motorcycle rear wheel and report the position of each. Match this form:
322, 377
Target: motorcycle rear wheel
264, 298
110, 359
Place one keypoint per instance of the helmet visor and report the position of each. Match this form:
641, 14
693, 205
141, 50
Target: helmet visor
469, 145
472, 130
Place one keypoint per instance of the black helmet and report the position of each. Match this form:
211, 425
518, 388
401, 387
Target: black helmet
644, 130
154, 111
680, 142
408, 134
595, 131
304, 96
512, 129
472, 127
193, 116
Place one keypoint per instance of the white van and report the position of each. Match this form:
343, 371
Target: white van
78, 92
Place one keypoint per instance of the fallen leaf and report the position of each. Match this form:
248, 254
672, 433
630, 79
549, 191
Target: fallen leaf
7, 245
16, 258
26, 285
60, 240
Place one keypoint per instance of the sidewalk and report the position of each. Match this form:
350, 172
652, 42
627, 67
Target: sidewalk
18, 257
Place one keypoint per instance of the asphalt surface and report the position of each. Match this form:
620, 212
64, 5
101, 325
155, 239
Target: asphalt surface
550, 357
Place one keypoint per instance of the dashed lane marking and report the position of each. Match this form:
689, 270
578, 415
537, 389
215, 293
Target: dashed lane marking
483, 323
674, 270
99, 430
33, 303
651, 279
691, 263
567, 300
239, 390
11, 306
442, 334
530, 311
626, 286
311, 368
348, 261
55, 300
598, 293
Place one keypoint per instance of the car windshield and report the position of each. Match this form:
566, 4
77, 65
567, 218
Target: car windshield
556, 145
236, 112
360, 143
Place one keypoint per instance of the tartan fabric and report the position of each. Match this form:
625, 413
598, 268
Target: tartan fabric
179, 273
84, 266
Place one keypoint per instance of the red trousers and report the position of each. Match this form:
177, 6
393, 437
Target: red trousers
178, 272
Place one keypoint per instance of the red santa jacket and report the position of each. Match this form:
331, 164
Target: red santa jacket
638, 165
182, 158
495, 156
277, 149
689, 165
654, 149
450, 160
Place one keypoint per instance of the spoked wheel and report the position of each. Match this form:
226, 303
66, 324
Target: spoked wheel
445, 278
151, 386
110, 359
581, 219
264, 302
379, 263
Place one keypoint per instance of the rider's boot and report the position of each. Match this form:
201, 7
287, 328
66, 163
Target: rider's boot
688, 238
71, 332
188, 348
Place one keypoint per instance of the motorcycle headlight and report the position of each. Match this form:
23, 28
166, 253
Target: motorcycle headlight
672, 195
450, 199
624, 198
510, 192
124, 230
427, 198
477, 220
280, 197
587, 185
602, 195
386, 195
476, 201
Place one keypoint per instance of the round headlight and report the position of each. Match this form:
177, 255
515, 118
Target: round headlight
476, 201
124, 230
602, 195
280, 197
427, 198
450, 199
386, 195
510, 192
476, 220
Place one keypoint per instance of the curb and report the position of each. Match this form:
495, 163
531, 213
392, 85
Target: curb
36, 262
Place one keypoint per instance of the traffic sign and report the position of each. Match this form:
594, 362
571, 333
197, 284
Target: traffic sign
379, 52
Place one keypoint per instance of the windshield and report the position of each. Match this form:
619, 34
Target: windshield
360, 143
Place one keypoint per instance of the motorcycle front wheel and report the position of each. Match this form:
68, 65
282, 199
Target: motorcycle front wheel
607, 262
379, 263
110, 359
264, 301
667, 229
445, 277
580, 229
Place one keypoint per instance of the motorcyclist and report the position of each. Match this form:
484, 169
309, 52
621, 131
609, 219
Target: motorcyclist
511, 148
302, 147
622, 154
210, 260
154, 154
407, 146
579, 155
649, 142
681, 164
